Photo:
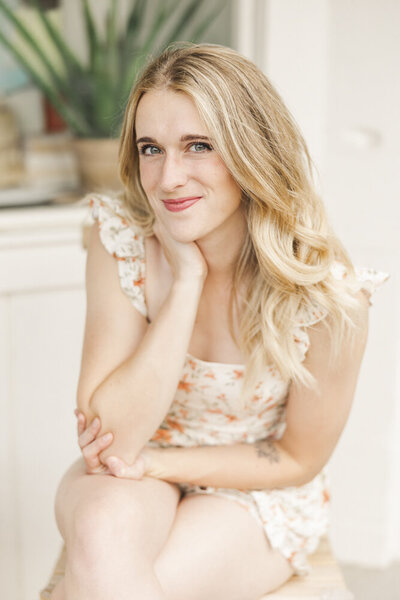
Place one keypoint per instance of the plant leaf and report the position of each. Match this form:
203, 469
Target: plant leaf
111, 45
91, 99
91, 32
205, 24
160, 18
188, 14
136, 16
130, 42
76, 122
23, 31
111, 29
70, 59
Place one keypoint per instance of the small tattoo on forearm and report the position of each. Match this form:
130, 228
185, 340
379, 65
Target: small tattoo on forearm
266, 449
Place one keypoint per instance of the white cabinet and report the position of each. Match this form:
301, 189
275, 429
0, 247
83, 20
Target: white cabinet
42, 310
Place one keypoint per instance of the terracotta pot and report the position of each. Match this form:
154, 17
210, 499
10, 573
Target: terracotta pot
98, 164
52, 120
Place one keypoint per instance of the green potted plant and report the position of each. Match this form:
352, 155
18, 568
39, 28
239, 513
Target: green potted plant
90, 95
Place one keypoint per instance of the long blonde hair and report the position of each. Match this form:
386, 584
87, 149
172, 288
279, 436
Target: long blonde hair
289, 250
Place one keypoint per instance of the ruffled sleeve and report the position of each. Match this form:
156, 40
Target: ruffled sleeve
124, 243
367, 280
370, 280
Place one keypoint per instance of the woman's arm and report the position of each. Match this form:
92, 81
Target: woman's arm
315, 420
264, 464
132, 398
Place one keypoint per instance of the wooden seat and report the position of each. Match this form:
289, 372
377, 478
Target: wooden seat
324, 583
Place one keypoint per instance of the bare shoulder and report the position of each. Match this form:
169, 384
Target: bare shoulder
352, 347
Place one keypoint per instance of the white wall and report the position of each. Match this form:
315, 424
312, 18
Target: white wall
360, 163
336, 65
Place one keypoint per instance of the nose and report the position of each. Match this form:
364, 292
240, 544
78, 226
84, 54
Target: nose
173, 173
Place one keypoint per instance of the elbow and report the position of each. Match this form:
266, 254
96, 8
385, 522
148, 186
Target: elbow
85, 405
94, 404
308, 472
304, 468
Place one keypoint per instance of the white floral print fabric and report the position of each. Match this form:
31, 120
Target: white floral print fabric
122, 242
206, 407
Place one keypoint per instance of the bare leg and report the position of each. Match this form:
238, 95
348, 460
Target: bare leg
157, 549
217, 550
113, 529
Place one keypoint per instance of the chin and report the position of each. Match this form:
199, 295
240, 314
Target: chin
185, 238
186, 234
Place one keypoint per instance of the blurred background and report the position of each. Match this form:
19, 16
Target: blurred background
336, 64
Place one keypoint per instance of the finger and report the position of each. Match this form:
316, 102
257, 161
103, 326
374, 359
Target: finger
90, 433
81, 422
119, 468
91, 451
116, 466
99, 470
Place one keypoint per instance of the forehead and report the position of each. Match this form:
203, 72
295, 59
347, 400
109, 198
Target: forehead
165, 112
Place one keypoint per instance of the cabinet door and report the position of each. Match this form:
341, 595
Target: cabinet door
46, 352
44, 340
8, 498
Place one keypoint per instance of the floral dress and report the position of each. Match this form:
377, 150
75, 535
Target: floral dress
206, 407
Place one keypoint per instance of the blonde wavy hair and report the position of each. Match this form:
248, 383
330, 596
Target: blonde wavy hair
287, 258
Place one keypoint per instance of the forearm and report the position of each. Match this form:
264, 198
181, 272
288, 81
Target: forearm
134, 399
262, 465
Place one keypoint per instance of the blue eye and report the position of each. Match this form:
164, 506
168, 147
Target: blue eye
201, 147
149, 150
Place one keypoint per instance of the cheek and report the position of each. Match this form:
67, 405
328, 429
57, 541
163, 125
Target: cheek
147, 176
223, 179
232, 190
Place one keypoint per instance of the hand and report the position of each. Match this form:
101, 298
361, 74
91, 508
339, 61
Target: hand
146, 464
185, 258
91, 445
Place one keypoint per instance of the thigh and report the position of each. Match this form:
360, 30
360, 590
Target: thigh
147, 507
217, 549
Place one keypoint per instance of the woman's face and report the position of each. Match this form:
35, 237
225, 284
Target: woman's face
177, 162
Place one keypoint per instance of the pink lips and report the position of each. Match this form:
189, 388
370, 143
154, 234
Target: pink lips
181, 203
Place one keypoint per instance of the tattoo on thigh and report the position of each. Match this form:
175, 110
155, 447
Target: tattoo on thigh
266, 449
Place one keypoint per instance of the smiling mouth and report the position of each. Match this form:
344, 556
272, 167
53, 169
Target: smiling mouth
181, 200
179, 204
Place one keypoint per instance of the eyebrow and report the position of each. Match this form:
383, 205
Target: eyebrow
185, 138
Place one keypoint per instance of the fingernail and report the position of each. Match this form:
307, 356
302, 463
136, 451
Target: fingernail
106, 437
96, 422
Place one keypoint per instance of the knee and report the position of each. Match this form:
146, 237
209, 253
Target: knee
98, 519
102, 528
94, 512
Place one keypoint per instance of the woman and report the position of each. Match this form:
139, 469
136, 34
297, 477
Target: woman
202, 478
